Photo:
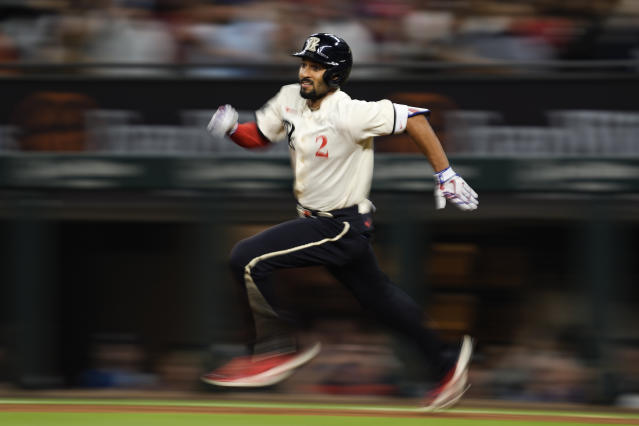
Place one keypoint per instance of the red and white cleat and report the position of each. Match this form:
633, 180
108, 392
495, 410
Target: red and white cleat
260, 370
455, 384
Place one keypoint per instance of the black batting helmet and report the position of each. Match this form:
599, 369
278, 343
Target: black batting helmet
333, 53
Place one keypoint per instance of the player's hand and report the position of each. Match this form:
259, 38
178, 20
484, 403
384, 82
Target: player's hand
223, 122
450, 186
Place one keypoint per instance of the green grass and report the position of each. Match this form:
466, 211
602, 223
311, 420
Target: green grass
361, 415
110, 419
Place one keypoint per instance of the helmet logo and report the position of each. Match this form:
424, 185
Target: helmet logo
311, 44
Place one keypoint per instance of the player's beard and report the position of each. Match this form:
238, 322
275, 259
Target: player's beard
312, 94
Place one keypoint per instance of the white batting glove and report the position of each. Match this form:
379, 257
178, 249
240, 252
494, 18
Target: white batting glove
223, 122
449, 185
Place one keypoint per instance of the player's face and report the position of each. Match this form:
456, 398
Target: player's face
311, 78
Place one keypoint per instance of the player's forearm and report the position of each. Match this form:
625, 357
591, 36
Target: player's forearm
248, 135
425, 138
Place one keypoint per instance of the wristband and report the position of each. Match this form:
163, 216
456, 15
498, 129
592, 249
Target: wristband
444, 175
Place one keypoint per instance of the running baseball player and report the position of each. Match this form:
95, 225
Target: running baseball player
330, 137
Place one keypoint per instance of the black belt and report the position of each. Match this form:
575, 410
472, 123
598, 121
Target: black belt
347, 211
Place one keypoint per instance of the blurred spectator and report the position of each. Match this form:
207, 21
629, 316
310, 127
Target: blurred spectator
354, 361
626, 368
384, 19
339, 17
74, 26
117, 362
31, 31
224, 31
555, 33
4, 374
8, 53
535, 369
294, 23
179, 370
428, 30
619, 37
588, 18
128, 31
488, 34
229, 34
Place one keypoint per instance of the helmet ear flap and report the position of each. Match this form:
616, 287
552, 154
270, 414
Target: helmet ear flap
333, 78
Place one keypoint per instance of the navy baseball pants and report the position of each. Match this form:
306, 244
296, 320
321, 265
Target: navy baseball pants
342, 244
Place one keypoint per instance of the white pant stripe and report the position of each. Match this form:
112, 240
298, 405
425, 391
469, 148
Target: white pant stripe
256, 299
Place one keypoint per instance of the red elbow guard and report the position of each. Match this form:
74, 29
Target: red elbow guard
247, 135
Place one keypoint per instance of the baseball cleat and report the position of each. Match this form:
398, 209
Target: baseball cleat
454, 384
260, 370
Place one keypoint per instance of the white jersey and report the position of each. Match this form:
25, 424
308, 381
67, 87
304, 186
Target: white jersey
332, 147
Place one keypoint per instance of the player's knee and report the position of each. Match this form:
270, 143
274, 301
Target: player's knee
240, 256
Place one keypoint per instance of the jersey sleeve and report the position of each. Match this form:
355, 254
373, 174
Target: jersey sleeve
269, 118
369, 119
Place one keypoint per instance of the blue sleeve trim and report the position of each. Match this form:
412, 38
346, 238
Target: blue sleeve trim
425, 112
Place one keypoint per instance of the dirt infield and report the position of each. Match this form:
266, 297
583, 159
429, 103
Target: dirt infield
264, 410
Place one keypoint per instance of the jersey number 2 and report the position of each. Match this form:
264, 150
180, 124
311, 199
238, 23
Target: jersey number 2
322, 151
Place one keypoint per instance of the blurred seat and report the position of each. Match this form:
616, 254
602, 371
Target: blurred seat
599, 132
106, 117
458, 123
152, 139
8, 140
96, 120
517, 140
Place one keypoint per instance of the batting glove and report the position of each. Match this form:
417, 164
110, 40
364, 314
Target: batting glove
449, 185
223, 122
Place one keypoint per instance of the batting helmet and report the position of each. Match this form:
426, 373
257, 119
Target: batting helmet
333, 53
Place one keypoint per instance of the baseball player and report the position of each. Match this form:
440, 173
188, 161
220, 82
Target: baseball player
330, 137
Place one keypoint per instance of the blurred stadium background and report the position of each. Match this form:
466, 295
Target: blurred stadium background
117, 209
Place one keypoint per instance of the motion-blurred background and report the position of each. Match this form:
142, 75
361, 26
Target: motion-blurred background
118, 210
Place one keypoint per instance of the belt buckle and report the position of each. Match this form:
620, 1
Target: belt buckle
304, 212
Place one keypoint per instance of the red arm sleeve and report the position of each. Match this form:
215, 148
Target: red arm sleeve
247, 135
